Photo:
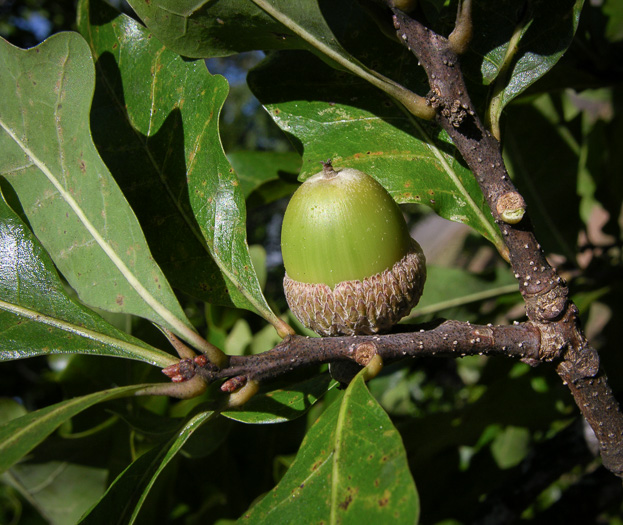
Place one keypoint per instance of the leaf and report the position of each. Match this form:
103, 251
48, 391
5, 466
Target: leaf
173, 107
19, 436
283, 405
146, 151
511, 446
71, 201
196, 28
60, 491
202, 29
614, 12
128, 492
351, 467
451, 287
528, 43
38, 317
332, 115
538, 145
266, 176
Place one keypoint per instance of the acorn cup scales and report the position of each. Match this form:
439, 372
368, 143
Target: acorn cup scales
351, 265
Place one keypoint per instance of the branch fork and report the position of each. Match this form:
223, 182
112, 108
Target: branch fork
552, 332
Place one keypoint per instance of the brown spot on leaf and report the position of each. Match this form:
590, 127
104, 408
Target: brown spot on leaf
344, 505
120, 300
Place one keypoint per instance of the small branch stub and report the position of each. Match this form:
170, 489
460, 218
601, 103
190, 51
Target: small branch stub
511, 207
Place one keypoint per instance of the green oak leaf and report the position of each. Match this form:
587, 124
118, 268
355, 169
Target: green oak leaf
265, 176
199, 28
50, 486
514, 47
20, 435
168, 109
128, 492
351, 467
281, 405
72, 202
38, 317
451, 287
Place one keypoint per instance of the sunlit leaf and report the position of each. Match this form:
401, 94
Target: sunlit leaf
169, 108
72, 203
350, 468
38, 317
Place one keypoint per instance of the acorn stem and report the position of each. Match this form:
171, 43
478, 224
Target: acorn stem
327, 170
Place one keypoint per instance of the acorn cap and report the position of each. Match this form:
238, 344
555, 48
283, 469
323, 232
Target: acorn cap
351, 266
368, 306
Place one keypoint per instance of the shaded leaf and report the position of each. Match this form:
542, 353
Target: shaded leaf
266, 176
510, 446
537, 145
38, 317
451, 287
203, 29
515, 45
72, 203
175, 128
128, 492
333, 115
19, 436
196, 28
283, 405
351, 467
60, 491
146, 152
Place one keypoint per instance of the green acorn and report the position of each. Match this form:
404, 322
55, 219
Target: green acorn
351, 265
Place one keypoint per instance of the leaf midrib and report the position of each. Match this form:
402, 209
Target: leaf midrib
151, 356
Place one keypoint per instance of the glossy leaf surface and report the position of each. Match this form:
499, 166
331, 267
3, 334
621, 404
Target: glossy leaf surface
283, 405
168, 109
38, 317
72, 203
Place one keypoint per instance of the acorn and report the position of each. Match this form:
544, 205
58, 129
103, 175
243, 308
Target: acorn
351, 265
